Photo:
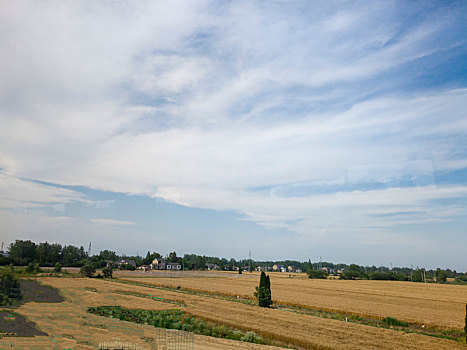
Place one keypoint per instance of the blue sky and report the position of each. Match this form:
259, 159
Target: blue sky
291, 129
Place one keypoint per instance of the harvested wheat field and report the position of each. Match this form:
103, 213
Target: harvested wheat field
434, 305
70, 325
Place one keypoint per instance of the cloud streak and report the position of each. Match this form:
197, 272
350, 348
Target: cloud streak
310, 117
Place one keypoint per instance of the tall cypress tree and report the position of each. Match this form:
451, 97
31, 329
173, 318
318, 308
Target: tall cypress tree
263, 291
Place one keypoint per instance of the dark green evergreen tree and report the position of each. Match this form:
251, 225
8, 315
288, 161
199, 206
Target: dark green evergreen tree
263, 291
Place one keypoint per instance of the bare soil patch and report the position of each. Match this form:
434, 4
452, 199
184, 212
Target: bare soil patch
36, 292
14, 324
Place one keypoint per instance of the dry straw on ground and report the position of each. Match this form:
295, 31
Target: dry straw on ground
70, 323
439, 306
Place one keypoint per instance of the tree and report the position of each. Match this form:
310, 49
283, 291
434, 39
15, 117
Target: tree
316, 274
108, 255
263, 291
73, 256
87, 270
107, 272
22, 252
352, 272
9, 287
441, 276
173, 258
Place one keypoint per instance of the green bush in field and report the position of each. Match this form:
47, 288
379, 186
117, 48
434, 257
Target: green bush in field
32, 268
394, 322
316, 274
107, 272
58, 267
176, 319
87, 270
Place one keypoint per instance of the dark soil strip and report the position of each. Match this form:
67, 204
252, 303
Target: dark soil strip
13, 324
36, 292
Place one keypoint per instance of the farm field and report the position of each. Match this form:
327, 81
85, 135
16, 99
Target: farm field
434, 305
69, 326
72, 327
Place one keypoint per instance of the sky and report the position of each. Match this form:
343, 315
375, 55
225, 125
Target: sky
293, 129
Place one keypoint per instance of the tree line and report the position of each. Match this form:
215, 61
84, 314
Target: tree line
24, 252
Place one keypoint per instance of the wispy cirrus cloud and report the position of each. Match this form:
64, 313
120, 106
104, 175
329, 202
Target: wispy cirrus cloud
312, 117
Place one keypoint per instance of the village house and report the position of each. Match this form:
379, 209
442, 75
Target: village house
212, 267
328, 270
173, 266
158, 264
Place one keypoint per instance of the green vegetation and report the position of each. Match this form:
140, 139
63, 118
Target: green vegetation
10, 291
32, 268
441, 276
176, 319
58, 267
107, 272
87, 270
47, 254
394, 322
263, 291
316, 274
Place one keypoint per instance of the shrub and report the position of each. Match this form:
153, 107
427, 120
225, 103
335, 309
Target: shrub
107, 272
87, 270
316, 274
58, 267
176, 319
32, 268
394, 322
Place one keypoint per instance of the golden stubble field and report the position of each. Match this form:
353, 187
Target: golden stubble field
69, 326
73, 326
435, 305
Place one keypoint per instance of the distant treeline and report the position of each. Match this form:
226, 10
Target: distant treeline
24, 252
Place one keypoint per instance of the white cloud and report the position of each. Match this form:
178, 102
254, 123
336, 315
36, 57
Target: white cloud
199, 102
111, 222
